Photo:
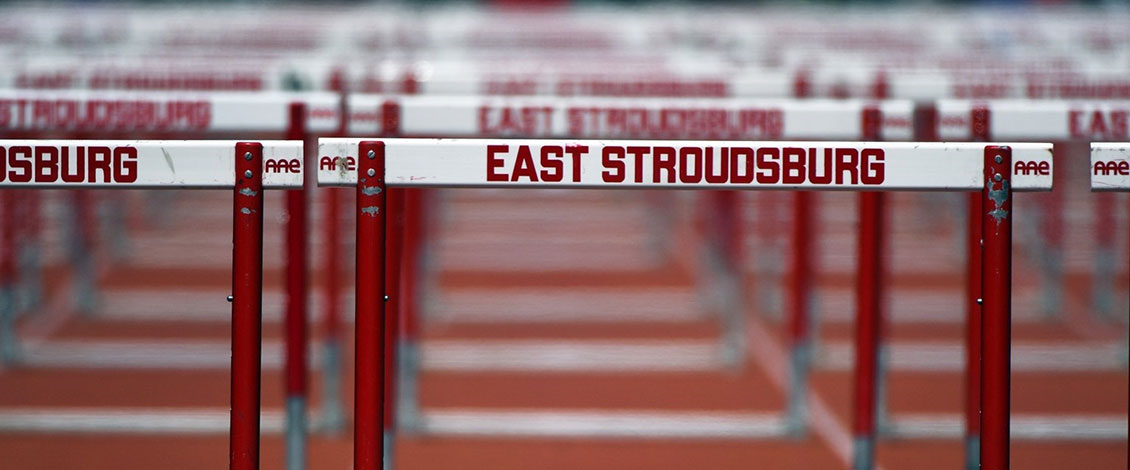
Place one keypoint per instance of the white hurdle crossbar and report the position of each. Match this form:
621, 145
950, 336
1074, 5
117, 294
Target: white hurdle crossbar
247, 168
373, 165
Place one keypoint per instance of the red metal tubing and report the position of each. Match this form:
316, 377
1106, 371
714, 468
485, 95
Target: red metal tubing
394, 260
332, 275
413, 245
799, 282
996, 266
295, 315
8, 238
868, 317
247, 305
368, 445
973, 317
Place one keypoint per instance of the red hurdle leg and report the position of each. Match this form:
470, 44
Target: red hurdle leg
247, 306
295, 316
798, 308
8, 349
996, 319
368, 414
332, 414
1103, 284
973, 334
868, 326
394, 259
414, 217
82, 249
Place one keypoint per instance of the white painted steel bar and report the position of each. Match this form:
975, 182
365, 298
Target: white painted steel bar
138, 164
683, 164
131, 111
1110, 167
625, 118
1036, 120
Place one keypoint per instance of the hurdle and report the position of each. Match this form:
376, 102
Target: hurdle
1110, 171
620, 118
294, 116
676, 164
247, 168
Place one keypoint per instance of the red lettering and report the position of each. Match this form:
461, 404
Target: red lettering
874, 168
638, 152
847, 160
19, 158
793, 164
524, 166
813, 163
551, 159
768, 168
723, 173
663, 158
741, 158
494, 162
125, 164
575, 152
46, 164
685, 166
99, 158
612, 158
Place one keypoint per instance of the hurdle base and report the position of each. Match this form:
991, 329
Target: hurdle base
973, 452
296, 433
863, 453
333, 415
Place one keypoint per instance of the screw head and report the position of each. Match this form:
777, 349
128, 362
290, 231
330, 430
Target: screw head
997, 177
386, 298
371, 172
979, 301
231, 298
998, 159
247, 174
372, 155
247, 156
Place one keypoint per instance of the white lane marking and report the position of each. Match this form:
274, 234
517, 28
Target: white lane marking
205, 305
1057, 427
949, 356
572, 356
551, 423
569, 304
158, 354
645, 355
920, 306
604, 424
546, 259
768, 352
128, 420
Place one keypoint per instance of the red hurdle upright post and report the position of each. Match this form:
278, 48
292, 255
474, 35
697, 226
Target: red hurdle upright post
368, 414
868, 321
295, 316
8, 349
247, 306
868, 314
973, 334
979, 129
798, 311
996, 313
394, 261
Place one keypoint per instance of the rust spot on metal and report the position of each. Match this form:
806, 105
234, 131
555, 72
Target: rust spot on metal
371, 211
999, 197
